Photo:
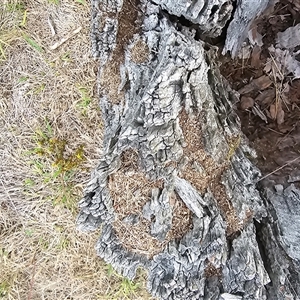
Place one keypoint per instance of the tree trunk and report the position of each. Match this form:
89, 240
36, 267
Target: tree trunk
175, 190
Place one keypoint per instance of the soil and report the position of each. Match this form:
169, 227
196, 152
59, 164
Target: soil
269, 108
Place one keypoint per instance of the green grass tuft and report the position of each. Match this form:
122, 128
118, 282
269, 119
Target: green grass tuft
56, 2
15, 6
81, 2
126, 288
85, 100
33, 43
56, 166
4, 288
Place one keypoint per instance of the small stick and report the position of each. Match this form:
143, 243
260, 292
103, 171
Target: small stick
278, 169
63, 40
270, 129
274, 62
282, 139
51, 25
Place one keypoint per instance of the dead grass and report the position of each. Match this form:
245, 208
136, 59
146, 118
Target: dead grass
212, 271
46, 97
130, 190
204, 172
139, 52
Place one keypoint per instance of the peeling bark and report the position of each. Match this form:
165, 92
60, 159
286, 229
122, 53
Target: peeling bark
175, 111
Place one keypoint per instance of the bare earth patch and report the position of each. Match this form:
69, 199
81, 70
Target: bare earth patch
51, 133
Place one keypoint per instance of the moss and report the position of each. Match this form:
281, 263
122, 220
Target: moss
57, 166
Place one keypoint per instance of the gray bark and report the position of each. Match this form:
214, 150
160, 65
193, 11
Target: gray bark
211, 16
247, 235
245, 13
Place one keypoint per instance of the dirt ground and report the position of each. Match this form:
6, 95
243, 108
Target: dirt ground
269, 106
50, 139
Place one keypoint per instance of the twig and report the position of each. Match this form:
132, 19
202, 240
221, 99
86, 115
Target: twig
276, 91
288, 163
270, 129
274, 62
63, 40
292, 288
278, 10
51, 25
282, 139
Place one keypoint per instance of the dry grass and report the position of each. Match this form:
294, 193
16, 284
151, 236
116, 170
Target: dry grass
212, 271
204, 172
51, 133
139, 52
130, 190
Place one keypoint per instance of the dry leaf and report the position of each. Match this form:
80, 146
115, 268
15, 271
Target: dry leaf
246, 102
297, 5
273, 111
280, 115
286, 62
51, 25
285, 93
266, 97
258, 112
245, 51
260, 83
255, 37
273, 20
63, 40
255, 58
290, 38
268, 66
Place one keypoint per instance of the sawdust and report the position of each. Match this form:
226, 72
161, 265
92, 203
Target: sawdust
110, 81
212, 271
182, 218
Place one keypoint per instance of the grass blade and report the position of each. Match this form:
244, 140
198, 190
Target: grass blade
2, 51
33, 43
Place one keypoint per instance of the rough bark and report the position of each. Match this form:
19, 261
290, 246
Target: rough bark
246, 12
172, 107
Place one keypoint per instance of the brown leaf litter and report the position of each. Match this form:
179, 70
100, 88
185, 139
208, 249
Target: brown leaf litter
268, 83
